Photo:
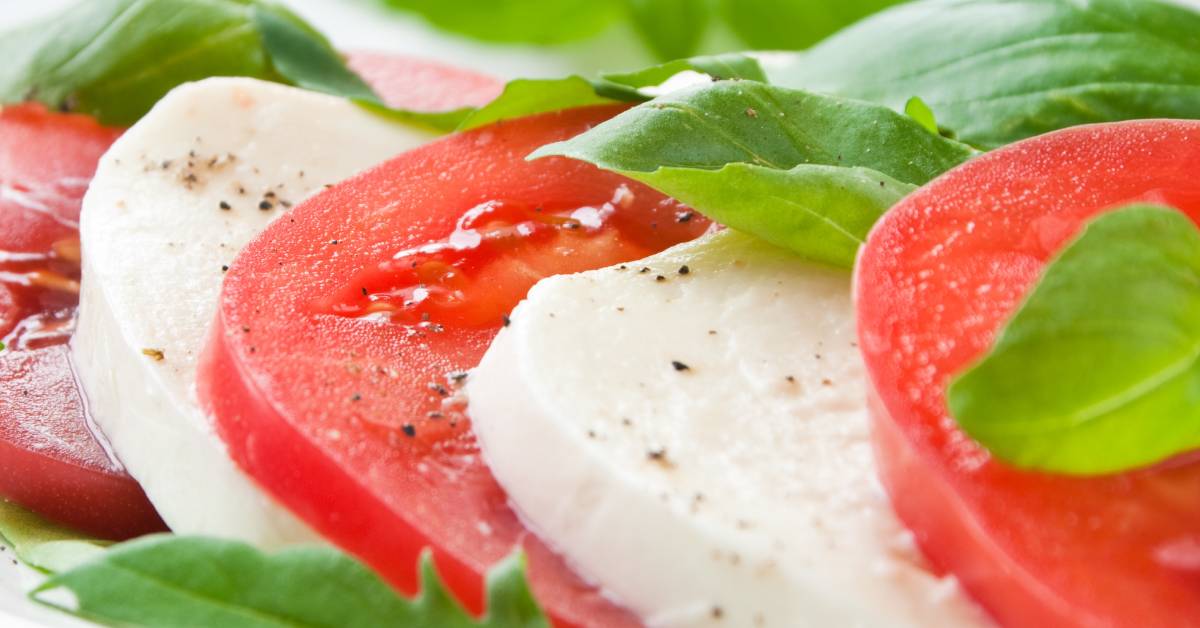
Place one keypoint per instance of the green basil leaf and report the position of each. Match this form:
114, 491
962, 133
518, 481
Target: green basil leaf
916, 109
1098, 371
526, 97
826, 167
304, 57
42, 544
517, 21
734, 65
166, 581
672, 29
794, 24
114, 59
997, 71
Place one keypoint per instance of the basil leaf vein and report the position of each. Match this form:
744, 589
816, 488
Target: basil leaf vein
805, 171
1098, 370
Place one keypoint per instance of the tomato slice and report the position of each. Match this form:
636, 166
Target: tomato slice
50, 462
937, 279
344, 333
423, 85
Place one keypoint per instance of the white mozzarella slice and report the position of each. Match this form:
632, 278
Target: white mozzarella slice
171, 205
698, 444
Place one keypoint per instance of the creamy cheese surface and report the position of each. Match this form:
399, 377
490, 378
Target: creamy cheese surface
690, 431
171, 205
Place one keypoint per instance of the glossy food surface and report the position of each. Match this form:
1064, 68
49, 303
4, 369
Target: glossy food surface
50, 461
344, 334
940, 275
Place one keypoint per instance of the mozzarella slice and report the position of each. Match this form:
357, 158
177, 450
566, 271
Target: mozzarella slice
694, 438
171, 205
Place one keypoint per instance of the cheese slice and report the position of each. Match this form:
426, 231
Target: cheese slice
171, 205
698, 444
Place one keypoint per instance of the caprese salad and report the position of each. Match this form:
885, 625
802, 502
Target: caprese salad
901, 330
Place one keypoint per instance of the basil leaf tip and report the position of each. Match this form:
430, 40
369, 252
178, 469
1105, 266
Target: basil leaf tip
1097, 370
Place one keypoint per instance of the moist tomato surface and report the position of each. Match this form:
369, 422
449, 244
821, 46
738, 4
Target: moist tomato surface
344, 335
50, 462
936, 281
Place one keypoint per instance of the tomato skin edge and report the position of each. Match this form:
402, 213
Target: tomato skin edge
950, 548
350, 503
1032, 548
126, 512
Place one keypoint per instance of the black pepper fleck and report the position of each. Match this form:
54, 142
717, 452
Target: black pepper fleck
680, 366
409, 430
683, 270
224, 206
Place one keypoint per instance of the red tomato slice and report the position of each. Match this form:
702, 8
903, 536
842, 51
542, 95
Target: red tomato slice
937, 279
343, 331
50, 462
423, 85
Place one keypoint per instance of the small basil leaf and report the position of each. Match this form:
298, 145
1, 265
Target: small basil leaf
304, 57
997, 71
815, 158
42, 544
671, 28
169, 581
916, 109
526, 97
734, 65
1099, 370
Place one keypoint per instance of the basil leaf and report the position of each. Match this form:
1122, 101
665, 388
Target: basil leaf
114, 59
517, 21
997, 71
794, 24
525, 97
825, 167
916, 109
304, 57
1098, 371
672, 29
166, 581
734, 65
42, 544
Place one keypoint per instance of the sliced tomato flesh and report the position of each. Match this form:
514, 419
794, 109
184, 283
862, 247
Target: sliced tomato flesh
939, 276
344, 334
50, 461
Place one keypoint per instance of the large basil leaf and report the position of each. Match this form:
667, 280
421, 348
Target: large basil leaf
115, 58
1099, 369
806, 171
168, 581
996, 71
